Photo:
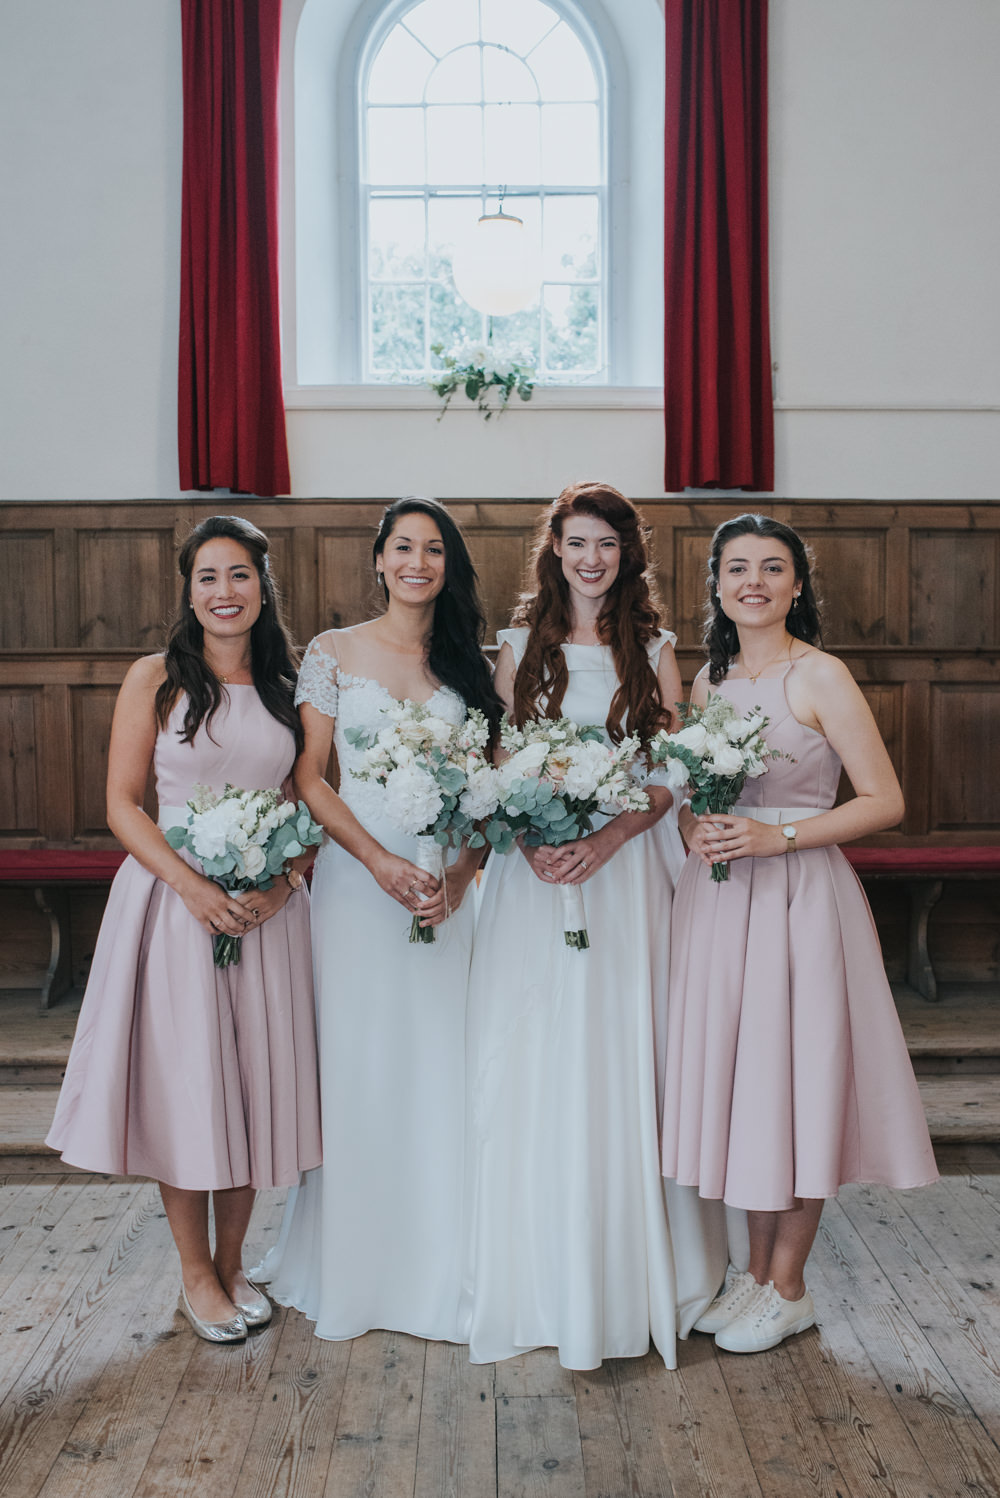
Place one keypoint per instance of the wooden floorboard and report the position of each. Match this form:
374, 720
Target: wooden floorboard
105, 1393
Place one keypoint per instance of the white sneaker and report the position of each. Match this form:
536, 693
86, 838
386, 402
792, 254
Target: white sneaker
732, 1300
766, 1321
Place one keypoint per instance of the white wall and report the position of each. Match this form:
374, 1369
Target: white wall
885, 226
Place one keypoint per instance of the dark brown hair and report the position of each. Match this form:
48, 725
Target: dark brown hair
628, 621
722, 640
273, 658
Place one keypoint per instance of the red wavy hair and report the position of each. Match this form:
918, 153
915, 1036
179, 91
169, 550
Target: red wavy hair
628, 621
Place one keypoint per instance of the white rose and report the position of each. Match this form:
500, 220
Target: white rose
438, 731
238, 838
694, 737
527, 761
589, 765
755, 767
211, 830
479, 799
412, 799
676, 774
254, 861
726, 761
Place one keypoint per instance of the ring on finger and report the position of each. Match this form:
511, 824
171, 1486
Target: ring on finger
583, 864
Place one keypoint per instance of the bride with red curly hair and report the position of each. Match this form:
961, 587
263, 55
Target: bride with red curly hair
569, 1240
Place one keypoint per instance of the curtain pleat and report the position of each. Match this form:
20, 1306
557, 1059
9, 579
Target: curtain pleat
717, 355
231, 418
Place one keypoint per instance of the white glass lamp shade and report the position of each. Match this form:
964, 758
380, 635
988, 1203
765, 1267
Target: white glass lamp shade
497, 269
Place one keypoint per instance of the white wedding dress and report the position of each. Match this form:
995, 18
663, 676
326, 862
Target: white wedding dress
373, 1237
573, 1238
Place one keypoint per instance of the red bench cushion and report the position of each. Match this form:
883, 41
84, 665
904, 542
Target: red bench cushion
47, 865
933, 862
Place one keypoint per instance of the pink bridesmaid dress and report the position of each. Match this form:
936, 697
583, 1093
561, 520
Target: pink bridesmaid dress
787, 1072
202, 1077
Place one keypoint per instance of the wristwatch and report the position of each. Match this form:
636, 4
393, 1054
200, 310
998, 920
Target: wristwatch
295, 878
789, 833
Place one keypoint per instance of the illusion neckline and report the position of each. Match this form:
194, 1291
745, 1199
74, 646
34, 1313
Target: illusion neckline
370, 681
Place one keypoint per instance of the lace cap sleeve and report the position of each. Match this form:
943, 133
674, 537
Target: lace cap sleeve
653, 648
317, 682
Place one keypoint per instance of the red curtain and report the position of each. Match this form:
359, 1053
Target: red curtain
231, 418
718, 409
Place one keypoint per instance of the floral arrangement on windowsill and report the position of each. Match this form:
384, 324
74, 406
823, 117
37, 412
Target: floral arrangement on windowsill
479, 371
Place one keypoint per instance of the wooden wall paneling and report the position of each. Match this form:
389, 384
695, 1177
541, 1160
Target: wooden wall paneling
917, 757
955, 589
886, 702
299, 585
500, 558
127, 595
55, 752
851, 584
897, 585
20, 735
964, 724
690, 566
27, 591
67, 586
92, 708
346, 591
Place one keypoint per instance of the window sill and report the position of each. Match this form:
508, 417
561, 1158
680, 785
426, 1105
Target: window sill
418, 398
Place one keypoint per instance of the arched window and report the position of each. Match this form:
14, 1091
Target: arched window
401, 121
459, 98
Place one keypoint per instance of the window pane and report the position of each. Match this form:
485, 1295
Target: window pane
506, 78
396, 237
397, 329
512, 143
571, 238
400, 70
443, 24
457, 79
517, 24
449, 220
454, 144
395, 146
570, 146
562, 67
518, 334
571, 328
453, 321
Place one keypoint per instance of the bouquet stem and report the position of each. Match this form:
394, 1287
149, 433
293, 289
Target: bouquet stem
431, 859
720, 872
574, 917
226, 949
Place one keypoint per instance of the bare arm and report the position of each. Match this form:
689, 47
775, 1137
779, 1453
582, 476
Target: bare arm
133, 737
397, 876
824, 696
576, 862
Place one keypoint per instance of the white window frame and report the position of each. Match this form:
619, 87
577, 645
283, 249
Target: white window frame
327, 45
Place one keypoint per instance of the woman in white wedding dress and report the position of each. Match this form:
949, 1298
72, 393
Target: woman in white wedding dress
569, 1242
373, 1237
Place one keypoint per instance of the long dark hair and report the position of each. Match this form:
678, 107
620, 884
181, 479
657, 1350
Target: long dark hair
628, 621
273, 659
721, 636
456, 656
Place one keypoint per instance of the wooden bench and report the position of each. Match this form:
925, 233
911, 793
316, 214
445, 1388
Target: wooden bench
51, 873
923, 871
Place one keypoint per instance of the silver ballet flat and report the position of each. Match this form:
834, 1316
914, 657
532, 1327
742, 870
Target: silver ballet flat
256, 1311
233, 1330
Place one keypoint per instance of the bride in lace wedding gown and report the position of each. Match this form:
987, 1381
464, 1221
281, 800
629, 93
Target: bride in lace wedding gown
373, 1237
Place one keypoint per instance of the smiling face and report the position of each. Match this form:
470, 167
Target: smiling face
413, 561
757, 581
225, 589
591, 555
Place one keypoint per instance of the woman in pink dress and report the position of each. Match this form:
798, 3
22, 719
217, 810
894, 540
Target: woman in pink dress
787, 1072
203, 1078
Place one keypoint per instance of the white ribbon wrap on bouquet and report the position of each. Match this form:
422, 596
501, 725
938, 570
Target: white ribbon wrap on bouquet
574, 916
429, 858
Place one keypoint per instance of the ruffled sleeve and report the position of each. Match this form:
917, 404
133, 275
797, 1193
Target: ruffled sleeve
317, 683
517, 639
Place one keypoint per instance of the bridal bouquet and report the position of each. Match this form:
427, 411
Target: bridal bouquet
557, 776
715, 753
438, 783
243, 840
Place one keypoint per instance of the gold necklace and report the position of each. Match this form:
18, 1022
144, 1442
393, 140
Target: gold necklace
773, 661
